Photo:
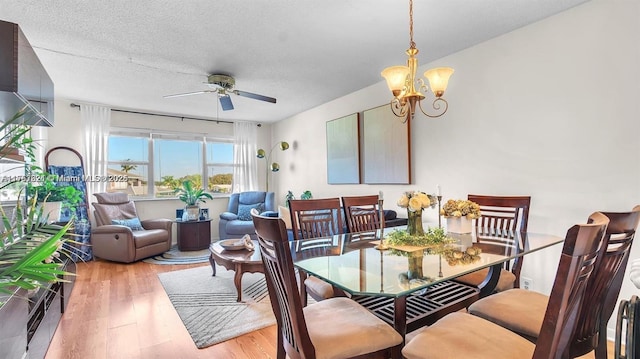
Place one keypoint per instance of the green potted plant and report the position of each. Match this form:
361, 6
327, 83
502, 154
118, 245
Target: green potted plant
51, 197
29, 247
192, 196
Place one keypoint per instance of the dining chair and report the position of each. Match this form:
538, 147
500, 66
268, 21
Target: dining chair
315, 218
462, 335
333, 328
501, 217
522, 311
362, 213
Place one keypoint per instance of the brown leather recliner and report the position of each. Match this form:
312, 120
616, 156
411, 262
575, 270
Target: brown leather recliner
119, 243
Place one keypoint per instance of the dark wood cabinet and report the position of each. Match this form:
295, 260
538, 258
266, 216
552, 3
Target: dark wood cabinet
13, 325
28, 322
194, 235
45, 311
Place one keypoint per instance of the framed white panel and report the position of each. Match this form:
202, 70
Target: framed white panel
386, 157
343, 150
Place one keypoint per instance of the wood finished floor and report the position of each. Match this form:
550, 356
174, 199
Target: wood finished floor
122, 311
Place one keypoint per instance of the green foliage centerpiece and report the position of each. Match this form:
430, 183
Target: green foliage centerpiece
431, 238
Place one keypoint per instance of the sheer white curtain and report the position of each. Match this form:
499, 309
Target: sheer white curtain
95, 126
245, 170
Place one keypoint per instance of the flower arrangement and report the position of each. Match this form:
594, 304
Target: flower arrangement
455, 257
415, 201
460, 208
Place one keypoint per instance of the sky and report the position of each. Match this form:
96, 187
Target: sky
173, 157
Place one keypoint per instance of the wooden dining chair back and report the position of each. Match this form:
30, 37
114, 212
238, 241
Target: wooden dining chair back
305, 332
604, 286
282, 286
312, 218
522, 311
318, 219
503, 220
444, 339
362, 213
500, 216
582, 248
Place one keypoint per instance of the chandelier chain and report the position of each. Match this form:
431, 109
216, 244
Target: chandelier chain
412, 44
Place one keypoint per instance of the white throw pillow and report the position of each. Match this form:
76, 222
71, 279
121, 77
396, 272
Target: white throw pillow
285, 215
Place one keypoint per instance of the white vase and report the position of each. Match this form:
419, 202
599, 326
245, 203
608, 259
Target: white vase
460, 225
52, 211
192, 212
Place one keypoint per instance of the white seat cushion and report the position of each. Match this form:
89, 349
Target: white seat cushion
505, 282
319, 289
285, 215
341, 328
460, 335
518, 310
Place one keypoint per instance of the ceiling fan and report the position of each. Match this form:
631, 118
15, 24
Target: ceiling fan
223, 85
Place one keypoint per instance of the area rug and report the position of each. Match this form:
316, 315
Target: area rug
208, 308
175, 256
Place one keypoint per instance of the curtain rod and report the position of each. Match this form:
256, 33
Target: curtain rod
163, 115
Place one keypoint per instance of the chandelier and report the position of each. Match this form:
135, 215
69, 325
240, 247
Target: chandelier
402, 82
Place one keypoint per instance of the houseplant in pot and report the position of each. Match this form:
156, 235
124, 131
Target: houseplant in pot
52, 197
192, 196
29, 247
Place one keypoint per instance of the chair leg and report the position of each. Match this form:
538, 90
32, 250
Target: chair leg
601, 350
396, 352
302, 287
281, 354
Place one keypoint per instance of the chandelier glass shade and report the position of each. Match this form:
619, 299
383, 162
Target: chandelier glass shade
408, 90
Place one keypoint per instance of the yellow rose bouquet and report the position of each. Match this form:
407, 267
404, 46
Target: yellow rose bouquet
415, 202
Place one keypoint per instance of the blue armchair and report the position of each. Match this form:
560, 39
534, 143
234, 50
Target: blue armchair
237, 220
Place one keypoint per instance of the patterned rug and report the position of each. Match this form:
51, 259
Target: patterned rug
208, 308
175, 256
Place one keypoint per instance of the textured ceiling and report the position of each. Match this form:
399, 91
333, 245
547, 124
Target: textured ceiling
129, 54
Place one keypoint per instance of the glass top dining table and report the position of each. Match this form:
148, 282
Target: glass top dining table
404, 277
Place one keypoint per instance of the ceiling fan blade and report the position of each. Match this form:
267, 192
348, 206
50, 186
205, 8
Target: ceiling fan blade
254, 96
225, 102
189, 93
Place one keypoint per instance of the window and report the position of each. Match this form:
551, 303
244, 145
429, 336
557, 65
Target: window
176, 161
128, 165
168, 159
220, 166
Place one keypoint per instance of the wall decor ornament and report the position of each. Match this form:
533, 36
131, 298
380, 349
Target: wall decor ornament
386, 148
343, 150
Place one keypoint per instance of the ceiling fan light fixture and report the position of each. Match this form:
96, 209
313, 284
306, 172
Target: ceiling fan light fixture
222, 85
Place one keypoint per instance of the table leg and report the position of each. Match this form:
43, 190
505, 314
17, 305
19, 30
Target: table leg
213, 264
400, 316
237, 280
488, 285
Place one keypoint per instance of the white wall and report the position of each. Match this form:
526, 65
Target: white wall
550, 110
68, 132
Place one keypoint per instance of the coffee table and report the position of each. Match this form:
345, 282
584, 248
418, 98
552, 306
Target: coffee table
241, 261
